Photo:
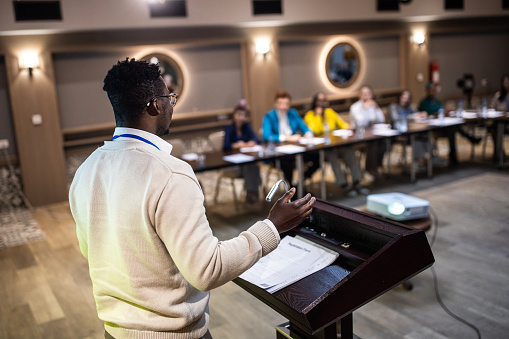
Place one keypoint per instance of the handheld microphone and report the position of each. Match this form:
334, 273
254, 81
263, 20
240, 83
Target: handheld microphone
274, 189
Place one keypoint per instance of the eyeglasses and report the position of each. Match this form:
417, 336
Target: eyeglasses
172, 96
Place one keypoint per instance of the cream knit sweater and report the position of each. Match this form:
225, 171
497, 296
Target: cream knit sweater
152, 257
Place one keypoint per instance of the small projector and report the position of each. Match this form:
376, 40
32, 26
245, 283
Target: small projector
397, 206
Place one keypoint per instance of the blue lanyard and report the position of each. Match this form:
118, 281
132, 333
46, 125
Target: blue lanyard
134, 137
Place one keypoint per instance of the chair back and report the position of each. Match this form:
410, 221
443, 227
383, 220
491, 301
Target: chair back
216, 139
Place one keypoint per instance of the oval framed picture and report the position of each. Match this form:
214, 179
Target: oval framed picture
170, 71
343, 65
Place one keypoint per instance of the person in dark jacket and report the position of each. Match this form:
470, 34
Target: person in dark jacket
240, 134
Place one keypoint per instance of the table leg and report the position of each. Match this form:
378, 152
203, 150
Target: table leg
412, 161
388, 147
430, 154
500, 143
300, 171
405, 164
323, 189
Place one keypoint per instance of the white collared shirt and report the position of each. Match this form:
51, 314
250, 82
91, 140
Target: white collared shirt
284, 124
162, 144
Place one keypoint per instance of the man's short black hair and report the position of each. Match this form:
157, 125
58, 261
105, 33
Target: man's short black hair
130, 84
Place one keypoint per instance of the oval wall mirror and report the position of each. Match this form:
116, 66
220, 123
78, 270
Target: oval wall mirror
170, 71
342, 65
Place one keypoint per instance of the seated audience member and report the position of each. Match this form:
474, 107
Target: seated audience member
432, 105
321, 114
284, 124
402, 112
240, 134
500, 102
364, 113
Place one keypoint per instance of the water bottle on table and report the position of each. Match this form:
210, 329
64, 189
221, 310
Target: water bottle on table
484, 109
441, 116
459, 110
326, 133
271, 146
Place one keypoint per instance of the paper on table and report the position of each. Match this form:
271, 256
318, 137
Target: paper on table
294, 259
342, 132
311, 141
190, 156
445, 121
469, 115
252, 149
495, 114
381, 126
290, 149
238, 158
386, 132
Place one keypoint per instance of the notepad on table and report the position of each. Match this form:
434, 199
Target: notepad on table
238, 158
190, 156
252, 149
386, 132
342, 133
447, 121
290, 149
311, 141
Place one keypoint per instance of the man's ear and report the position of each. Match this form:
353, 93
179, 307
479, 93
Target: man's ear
153, 108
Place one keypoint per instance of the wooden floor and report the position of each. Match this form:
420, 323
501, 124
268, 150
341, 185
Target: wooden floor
46, 292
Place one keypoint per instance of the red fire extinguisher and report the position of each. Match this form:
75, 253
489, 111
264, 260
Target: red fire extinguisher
434, 74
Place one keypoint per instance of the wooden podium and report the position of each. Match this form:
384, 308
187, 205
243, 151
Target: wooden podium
375, 255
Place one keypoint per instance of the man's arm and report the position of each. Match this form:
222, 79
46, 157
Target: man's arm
203, 260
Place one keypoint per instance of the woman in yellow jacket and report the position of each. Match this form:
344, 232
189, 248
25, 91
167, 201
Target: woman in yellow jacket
321, 114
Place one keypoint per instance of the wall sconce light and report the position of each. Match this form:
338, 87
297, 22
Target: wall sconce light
262, 46
418, 38
29, 60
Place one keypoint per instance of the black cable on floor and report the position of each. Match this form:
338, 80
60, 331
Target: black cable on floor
435, 280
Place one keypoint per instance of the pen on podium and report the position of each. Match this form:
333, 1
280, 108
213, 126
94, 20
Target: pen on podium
274, 189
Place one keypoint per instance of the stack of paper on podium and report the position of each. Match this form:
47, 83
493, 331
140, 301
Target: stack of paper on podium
294, 259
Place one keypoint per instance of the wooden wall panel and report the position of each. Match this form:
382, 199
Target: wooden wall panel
40, 148
262, 76
415, 68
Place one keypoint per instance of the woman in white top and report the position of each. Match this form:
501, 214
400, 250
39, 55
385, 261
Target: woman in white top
365, 113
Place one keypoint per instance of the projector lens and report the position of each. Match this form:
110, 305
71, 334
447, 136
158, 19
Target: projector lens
396, 208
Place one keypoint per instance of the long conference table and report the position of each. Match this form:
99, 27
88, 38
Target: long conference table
215, 160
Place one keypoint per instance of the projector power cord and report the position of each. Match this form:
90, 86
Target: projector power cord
435, 280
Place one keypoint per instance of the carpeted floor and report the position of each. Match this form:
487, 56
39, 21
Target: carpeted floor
17, 226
